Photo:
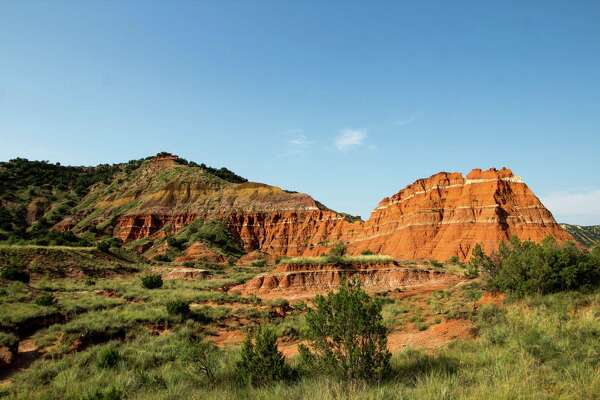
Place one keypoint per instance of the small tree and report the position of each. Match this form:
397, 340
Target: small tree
479, 262
152, 281
347, 336
261, 362
336, 254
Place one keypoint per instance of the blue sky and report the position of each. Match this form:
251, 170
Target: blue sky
347, 101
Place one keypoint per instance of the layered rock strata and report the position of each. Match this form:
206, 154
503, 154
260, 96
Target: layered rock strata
293, 280
447, 214
438, 217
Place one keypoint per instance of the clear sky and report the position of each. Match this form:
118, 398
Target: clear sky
347, 101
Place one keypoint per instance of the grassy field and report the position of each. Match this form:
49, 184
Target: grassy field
539, 347
108, 337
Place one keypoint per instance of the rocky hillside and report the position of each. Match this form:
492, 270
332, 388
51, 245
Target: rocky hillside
586, 235
163, 203
446, 214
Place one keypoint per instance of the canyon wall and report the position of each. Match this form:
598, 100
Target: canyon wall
447, 214
438, 217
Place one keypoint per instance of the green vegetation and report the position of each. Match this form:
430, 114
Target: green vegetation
223, 173
106, 244
347, 336
62, 261
586, 235
102, 333
122, 340
527, 267
14, 273
8, 340
108, 357
259, 263
212, 232
261, 363
178, 308
36, 195
50, 191
46, 299
343, 260
152, 281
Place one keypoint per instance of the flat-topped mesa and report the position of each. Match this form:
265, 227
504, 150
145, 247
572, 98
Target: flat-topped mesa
447, 215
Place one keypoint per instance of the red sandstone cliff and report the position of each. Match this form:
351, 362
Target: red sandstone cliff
447, 214
437, 217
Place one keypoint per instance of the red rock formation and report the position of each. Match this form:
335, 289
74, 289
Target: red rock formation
183, 273
446, 215
199, 251
294, 281
437, 217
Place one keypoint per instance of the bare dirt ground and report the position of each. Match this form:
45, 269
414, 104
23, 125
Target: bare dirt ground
27, 353
434, 337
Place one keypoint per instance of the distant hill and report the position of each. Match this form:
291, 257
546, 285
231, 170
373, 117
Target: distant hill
586, 235
35, 196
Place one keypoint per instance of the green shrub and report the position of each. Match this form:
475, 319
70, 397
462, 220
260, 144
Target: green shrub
13, 273
176, 243
105, 245
258, 263
336, 254
347, 336
436, 264
162, 257
152, 281
367, 253
206, 356
471, 270
525, 267
454, 260
261, 363
46, 299
9, 340
338, 250
178, 307
108, 357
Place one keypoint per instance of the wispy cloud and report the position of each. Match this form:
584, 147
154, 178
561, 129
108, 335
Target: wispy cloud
300, 140
296, 142
407, 121
575, 207
350, 138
